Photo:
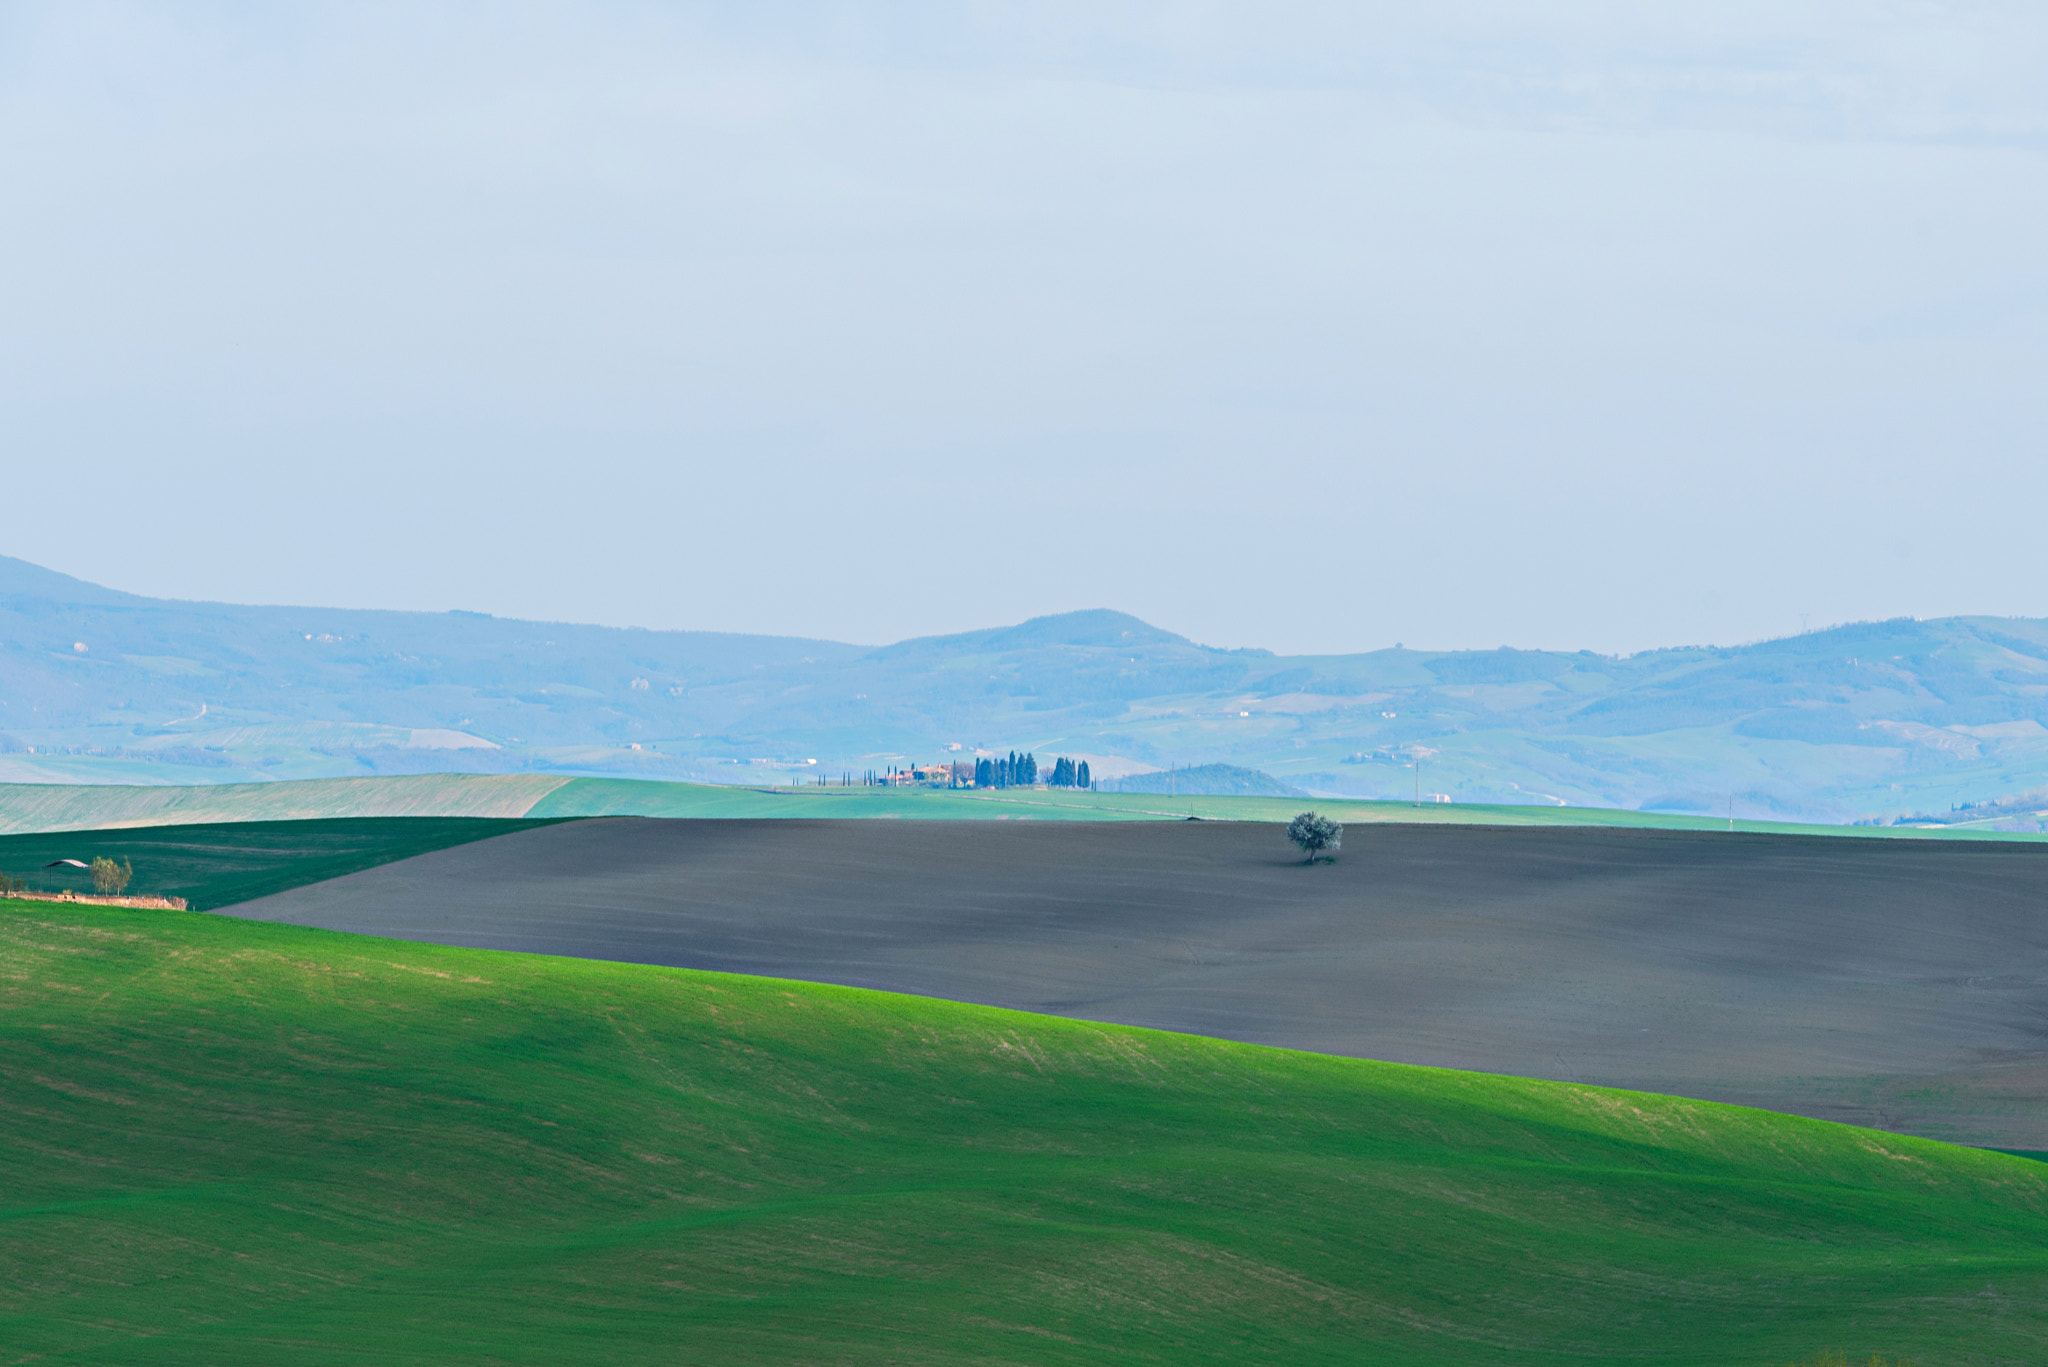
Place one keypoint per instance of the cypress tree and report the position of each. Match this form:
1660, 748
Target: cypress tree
1081, 774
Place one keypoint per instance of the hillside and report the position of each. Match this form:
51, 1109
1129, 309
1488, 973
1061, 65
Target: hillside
233, 1142
32, 807
1870, 721
222, 863
1891, 982
66, 807
1206, 780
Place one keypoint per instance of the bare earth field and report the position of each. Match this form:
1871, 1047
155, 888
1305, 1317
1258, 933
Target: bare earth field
1901, 984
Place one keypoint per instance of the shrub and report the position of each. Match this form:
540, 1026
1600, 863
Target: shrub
10, 886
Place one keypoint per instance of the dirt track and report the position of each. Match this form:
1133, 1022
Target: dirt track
1894, 983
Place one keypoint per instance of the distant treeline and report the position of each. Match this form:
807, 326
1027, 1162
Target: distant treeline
1021, 771
211, 757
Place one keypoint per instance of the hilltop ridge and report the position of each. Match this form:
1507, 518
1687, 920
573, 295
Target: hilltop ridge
1870, 721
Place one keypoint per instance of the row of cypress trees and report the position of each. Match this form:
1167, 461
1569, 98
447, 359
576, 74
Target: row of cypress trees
1021, 771
1012, 771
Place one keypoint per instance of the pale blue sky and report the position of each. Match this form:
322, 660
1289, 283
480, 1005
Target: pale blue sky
1315, 327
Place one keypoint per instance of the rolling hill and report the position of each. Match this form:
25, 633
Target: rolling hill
233, 1142
221, 863
1893, 983
1873, 721
1206, 780
43, 807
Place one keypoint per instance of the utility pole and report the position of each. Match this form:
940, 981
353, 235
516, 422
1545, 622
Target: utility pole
1418, 778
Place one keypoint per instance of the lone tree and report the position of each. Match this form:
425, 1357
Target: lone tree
1317, 836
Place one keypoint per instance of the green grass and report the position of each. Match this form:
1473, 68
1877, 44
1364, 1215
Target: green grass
236, 1142
51, 807
640, 797
637, 797
85, 806
219, 864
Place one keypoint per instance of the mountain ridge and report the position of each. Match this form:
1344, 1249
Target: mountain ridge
1862, 721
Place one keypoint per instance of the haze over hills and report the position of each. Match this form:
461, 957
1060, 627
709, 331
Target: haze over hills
1868, 721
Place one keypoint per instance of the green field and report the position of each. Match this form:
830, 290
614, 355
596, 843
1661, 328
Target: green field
218, 864
227, 1141
76, 807
29, 807
633, 797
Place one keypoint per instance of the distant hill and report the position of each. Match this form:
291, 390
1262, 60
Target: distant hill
1207, 780
1872, 721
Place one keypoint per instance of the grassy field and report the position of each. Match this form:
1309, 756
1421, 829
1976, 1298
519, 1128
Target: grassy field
239, 1142
218, 864
630, 797
77, 807
634, 797
29, 807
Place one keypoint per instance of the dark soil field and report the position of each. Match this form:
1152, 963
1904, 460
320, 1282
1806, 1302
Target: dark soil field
1896, 984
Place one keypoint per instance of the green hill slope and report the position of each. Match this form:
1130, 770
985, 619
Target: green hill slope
216, 864
77, 806
238, 1142
1208, 780
29, 807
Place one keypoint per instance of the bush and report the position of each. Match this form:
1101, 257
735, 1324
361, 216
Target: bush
109, 878
10, 886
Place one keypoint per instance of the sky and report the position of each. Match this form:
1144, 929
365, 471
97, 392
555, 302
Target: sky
1315, 327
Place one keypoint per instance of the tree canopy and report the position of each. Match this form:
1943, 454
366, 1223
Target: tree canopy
1317, 836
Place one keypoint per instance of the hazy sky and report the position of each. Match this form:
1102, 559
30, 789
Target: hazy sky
1309, 326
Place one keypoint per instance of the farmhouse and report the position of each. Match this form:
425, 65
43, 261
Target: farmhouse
923, 776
